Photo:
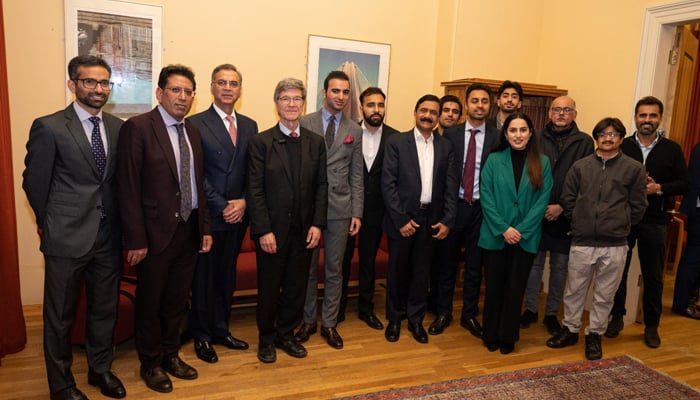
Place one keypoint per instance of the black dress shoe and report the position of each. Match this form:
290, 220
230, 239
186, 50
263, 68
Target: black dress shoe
562, 339
473, 326
71, 393
393, 331
232, 343
418, 332
291, 347
108, 383
651, 337
371, 320
332, 337
156, 379
178, 368
507, 347
305, 331
205, 352
690, 311
439, 325
267, 353
492, 346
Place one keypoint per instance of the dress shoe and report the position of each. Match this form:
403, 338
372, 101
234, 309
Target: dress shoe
267, 353
71, 393
564, 338
616, 324
332, 337
507, 347
690, 311
418, 332
651, 337
178, 368
156, 379
371, 320
108, 383
291, 347
393, 331
527, 318
594, 349
553, 327
473, 326
492, 346
205, 352
232, 343
439, 325
305, 331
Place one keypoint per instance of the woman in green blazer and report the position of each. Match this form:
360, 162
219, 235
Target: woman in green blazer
515, 185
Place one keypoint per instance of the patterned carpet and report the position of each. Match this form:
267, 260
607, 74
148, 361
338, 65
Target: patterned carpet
613, 378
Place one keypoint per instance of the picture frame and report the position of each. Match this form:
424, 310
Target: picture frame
366, 63
129, 37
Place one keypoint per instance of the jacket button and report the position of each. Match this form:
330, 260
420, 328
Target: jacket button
177, 194
515, 204
177, 215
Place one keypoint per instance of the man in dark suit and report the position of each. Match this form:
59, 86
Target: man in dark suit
165, 221
287, 198
225, 136
374, 136
419, 182
472, 142
70, 182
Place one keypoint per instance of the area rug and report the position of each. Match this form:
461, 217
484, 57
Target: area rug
614, 378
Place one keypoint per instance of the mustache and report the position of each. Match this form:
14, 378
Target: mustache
426, 119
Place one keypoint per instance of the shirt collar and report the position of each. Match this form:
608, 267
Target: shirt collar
327, 115
84, 115
656, 140
419, 136
167, 118
221, 112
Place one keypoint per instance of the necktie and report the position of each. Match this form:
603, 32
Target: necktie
470, 167
330, 131
98, 148
294, 134
232, 130
185, 180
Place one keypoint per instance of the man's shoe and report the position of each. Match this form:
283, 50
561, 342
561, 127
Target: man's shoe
564, 338
651, 337
156, 379
232, 343
553, 327
205, 352
527, 318
371, 320
393, 331
267, 353
108, 383
332, 337
418, 332
507, 347
492, 346
616, 324
290, 346
594, 350
690, 311
473, 326
178, 368
71, 393
305, 331
439, 325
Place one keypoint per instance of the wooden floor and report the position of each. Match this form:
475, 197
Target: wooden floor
367, 363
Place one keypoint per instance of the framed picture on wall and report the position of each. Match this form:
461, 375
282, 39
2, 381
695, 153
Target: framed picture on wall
128, 37
366, 63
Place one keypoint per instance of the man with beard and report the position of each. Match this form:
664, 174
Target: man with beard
450, 113
667, 177
71, 185
509, 100
564, 144
419, 182
374, 136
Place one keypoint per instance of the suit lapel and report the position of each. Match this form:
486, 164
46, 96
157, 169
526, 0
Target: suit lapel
112, 136
279, 147
163, 139
218, 130
75, 127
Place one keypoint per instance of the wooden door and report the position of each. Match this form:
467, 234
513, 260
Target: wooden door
687, 56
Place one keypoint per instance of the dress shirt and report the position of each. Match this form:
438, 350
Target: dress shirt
425, 164
645, 149
223, 116
170, 123
288, 132
479, 151
370, 144
326, 115
84, 117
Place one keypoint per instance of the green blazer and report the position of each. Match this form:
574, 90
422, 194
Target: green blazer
503, 207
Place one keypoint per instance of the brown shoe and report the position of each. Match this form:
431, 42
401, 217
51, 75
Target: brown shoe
332, 337
305, 331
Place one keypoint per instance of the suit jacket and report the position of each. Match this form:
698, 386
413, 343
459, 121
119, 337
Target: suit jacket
225, 166
456, 135
149, 187
270, 189
63, 185
373, 201
401, 182
690, 200
344, 166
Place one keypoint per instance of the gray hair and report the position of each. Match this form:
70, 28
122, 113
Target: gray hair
287, 84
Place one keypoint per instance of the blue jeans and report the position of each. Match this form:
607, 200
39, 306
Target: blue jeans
558, 266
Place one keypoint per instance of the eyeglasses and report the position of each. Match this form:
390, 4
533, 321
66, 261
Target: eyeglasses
222, 83
177, 90
92, 83
288, 100
611, 135
565, 110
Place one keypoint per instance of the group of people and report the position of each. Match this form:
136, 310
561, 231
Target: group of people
175, 196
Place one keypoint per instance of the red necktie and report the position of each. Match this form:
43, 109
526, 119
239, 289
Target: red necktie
470, 167
294, 134
232, 131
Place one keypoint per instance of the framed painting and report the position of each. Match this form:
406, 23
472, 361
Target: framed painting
366, 63
128, 36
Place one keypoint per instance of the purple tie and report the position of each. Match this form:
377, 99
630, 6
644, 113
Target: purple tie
470, 167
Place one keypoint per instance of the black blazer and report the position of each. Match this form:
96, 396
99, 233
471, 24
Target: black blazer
374, 202
456, 135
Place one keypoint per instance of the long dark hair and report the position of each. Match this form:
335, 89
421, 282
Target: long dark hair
534, 162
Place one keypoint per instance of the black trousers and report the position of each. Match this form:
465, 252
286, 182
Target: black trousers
368, 243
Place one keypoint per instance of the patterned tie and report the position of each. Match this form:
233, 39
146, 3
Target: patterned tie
294, 134
98, 148
185, 180
470, 167
232, 130
330, 131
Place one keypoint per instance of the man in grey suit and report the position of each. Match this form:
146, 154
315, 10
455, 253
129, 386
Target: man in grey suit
345, 200
70, 182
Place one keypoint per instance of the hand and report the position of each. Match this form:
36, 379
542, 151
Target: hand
652, 187
207, 241
134, 257
409, 229
268, 243
313, 237
443, 230
553, 212
234, 211
511, 235
355, 224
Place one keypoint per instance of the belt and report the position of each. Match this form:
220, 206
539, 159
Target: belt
423, 206
474, 202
